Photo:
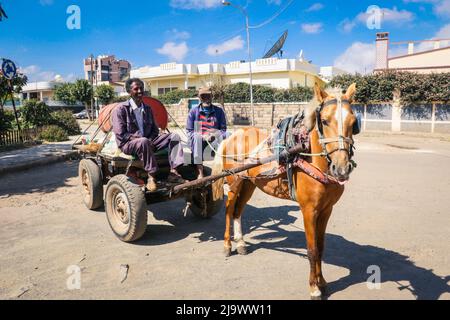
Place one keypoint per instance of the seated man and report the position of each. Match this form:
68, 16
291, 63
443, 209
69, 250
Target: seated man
138, 134
206, 123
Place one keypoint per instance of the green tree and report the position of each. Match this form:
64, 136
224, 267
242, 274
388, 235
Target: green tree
35, 113
65, 120
105, 93
65, 92
83, 92
18, 82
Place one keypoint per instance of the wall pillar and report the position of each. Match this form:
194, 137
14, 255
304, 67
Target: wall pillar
396, 112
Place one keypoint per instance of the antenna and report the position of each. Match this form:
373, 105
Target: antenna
277, 47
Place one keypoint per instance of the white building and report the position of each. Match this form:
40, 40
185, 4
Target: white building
272, 72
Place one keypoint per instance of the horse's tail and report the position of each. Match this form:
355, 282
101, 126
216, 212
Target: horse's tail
217, 168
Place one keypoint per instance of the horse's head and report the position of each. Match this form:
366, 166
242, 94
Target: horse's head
334, 120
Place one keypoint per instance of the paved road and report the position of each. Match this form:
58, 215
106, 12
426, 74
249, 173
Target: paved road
394, 215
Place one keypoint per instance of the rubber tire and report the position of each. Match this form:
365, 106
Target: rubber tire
95, 198
137, 208
212, 207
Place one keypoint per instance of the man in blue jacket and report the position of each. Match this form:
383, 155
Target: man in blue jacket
206, 125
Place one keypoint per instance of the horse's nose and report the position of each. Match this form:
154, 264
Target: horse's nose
350, 167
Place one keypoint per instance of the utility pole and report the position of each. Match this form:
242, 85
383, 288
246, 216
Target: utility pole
92, 86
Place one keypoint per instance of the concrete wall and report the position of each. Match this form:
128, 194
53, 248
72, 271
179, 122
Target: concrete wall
379, 117
266, 115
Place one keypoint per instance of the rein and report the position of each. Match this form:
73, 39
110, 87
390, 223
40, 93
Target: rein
340, 139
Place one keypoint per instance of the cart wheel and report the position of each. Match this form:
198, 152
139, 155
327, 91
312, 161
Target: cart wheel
198, 202
126, 208
91, 183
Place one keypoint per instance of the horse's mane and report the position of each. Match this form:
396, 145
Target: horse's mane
310, 109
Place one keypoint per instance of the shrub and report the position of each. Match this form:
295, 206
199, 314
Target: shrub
413, 87
65, 120
175, 96
53, 134
6, 120
35, 113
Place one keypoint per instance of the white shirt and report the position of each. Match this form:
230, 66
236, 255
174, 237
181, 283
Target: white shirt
138, 112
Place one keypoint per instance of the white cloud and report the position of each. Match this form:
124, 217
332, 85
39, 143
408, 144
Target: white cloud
347, 25
219, 49
315, 7
195, 4
393, 15
174, 51
35, 74
175, 34
389, 15
277, 2
312, 28
359, 57
440, 7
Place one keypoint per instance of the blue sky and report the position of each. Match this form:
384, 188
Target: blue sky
198, 31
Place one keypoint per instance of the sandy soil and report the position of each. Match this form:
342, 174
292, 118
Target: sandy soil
394, 214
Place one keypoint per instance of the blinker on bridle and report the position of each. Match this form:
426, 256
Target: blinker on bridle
340, 139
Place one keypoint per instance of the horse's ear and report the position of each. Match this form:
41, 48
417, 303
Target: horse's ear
321, 95
351, 91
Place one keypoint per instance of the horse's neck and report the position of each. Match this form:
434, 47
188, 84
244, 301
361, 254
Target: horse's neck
320, 162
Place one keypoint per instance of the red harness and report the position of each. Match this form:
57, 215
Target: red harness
315, 173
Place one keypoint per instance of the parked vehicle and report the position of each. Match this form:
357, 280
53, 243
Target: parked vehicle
81, 115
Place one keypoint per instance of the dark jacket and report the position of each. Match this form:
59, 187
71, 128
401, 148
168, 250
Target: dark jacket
125, 125
218, 116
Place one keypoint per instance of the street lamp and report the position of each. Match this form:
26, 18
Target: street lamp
247, 27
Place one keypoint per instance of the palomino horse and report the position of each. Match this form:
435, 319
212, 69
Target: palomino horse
330, 126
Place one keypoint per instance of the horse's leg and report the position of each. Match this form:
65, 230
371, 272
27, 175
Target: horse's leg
233, 194
246, 193
322, 222
310, 221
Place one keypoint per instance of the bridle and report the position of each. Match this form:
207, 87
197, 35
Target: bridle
340, 139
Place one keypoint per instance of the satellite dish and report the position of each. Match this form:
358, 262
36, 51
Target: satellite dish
2, 13
277, 47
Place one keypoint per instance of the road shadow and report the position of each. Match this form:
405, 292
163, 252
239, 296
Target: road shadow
395, 267
339, 251
45, 179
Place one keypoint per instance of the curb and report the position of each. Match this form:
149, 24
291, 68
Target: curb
39, 162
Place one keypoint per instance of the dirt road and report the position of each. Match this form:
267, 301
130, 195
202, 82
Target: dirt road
394, 214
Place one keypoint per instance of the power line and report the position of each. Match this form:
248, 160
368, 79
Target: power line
273, 17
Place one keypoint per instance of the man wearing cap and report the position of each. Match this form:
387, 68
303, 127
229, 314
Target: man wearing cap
206, 125
138, 134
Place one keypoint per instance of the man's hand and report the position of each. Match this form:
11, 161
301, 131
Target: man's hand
209, 137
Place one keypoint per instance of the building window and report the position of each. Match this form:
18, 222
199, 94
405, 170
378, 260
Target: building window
25, 96
105, 77
105, 68
165, 90
34, 95
192, 88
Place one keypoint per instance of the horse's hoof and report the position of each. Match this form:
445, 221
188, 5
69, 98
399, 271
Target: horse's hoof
242, 250
227, 252
316, 295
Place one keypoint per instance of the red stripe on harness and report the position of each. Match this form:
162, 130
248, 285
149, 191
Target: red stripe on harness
315, 173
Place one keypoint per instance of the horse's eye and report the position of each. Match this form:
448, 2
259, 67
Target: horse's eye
324, 122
